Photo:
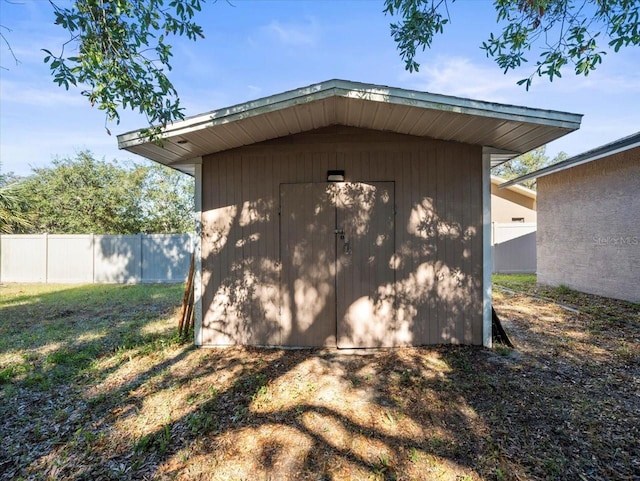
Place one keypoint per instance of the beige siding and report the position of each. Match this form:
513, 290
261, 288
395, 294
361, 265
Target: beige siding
365, 280
308, 255
506, 204
438, 232
589, 227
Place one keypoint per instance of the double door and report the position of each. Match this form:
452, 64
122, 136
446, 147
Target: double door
337, 247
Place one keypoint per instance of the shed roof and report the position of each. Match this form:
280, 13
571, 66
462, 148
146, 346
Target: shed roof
505, 131
615, 147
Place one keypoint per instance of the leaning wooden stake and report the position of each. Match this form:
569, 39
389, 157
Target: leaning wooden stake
188, 295
189, 315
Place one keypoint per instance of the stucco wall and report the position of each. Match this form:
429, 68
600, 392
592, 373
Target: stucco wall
589, 227
506, 204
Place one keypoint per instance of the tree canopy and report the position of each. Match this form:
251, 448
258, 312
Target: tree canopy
527, 163
120, 53
83, 195
566, 32
12, 206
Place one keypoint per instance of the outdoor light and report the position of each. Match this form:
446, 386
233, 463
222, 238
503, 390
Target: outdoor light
335, 175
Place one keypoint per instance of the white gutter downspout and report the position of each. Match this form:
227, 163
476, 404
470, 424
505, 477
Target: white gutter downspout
197, 252
487, 260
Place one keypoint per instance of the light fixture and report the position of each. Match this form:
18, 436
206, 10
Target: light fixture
182, 141
335, 175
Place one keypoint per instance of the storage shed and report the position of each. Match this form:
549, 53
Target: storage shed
346, 214
589, 221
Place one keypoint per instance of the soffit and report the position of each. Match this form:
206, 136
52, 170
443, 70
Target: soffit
504, 131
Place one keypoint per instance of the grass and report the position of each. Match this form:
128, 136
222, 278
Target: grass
56, 333
94, 384
517, 282
601, 309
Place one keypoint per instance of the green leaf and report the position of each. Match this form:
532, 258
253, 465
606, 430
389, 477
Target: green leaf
563, 31
114, 40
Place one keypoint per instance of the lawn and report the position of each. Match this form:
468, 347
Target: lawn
94, 384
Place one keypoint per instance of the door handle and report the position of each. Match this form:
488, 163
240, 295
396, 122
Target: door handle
347, 248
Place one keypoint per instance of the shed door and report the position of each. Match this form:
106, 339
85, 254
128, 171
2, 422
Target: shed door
337, 242
365, 279
308, 256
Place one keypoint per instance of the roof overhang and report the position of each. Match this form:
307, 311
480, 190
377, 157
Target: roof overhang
621, 145
504, 131
519, 189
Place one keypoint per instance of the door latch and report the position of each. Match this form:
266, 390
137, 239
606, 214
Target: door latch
340, 232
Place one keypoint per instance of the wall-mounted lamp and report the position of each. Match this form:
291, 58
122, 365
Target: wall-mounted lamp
335, 175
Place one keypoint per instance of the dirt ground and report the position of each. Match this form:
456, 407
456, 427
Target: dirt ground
564, 404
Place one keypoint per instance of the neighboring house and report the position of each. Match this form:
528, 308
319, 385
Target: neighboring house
346, 214
513, 233
513, 204
589, 221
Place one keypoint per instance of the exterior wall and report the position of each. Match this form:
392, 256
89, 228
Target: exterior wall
507, 204
438, 233
589, 227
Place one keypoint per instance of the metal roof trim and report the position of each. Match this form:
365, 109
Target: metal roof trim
358, 91
520, 189
460, 105
606, 150
227, 115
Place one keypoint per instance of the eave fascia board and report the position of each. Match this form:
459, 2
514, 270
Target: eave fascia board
227, 115
360, 91
499, 156
498, 181
459, 105
607, 150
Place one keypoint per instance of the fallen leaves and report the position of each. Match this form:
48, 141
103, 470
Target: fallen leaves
563, 405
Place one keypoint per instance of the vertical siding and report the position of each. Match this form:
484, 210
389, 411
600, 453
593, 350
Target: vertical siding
308, 259
365, 282
438, 231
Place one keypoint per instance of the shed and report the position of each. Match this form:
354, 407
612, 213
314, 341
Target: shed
346, 214
588, 235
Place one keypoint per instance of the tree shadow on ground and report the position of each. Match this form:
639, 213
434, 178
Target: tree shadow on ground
312, 397
412, 413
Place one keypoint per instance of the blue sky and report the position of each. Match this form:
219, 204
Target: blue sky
254, 49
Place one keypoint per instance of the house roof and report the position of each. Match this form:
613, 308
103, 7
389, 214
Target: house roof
505, 131
519, 189
615, 147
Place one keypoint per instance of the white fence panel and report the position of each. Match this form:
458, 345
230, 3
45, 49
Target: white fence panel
70, 259
166, 258
118, 258
23, 258
100, 258
514, 248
